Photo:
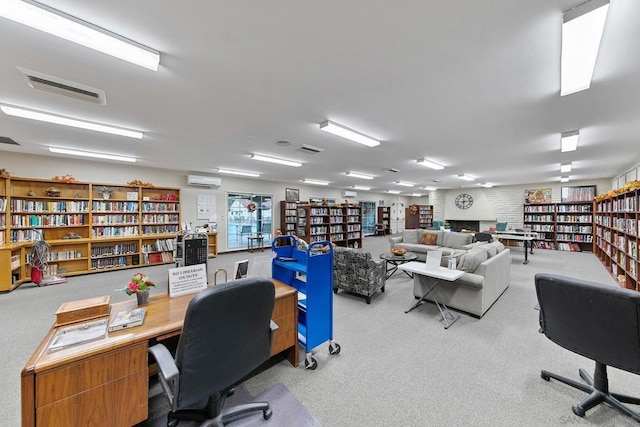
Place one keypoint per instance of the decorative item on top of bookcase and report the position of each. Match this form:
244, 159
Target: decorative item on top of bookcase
67, 179
105, 191
582, 193
292, 195
538, 195
5, 173
138, 183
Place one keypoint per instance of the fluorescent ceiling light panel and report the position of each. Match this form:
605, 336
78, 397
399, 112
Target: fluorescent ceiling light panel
276, 160
416, 194
347, 133
430, 188
68, 121
466, 177
93, 155
359, 175
315, 182
564, 179
65, 26
239, 173
582, 29
569, 141
404, 183
394, 191
486, 185
565, 168
360, 187
430, 164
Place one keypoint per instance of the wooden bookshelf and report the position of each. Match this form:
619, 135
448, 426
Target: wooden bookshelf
87, 231
384, 218
337, 223
422, 218
616, 236
565, 226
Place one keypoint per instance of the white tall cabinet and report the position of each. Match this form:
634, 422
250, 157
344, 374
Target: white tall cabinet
397, 217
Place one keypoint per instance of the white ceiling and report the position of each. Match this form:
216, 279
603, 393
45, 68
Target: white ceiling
473, 85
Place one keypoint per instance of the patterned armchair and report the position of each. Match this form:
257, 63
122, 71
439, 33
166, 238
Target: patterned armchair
355, 271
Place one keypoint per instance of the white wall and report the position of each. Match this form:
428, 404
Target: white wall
45, 167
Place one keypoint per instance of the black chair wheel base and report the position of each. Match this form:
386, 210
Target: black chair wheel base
578, 410
266, 414
545, 376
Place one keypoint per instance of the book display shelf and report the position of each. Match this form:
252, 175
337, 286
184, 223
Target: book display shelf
616, 236
89, 229
419, 216
336, 223
384, 218
565, 226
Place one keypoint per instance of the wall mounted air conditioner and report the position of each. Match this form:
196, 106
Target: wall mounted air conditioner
204, 181
347, 193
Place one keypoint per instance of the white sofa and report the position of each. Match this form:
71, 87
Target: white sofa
487, 275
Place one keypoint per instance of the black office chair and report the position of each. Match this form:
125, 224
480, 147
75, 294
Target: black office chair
597, 321
226, 335
483, 236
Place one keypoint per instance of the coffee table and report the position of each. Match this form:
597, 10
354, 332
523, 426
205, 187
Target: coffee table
392, 262
432, 277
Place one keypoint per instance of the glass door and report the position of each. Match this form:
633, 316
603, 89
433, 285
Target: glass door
368, 218
248, 215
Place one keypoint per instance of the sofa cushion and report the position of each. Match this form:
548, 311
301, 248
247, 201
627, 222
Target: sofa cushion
472, 259
410, 236
429, 238
456, 240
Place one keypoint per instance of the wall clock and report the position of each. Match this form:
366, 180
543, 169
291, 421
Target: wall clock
464, 201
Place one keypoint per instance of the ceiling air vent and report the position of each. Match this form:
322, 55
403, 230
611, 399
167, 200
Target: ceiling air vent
64, 87
305, 148
5, 140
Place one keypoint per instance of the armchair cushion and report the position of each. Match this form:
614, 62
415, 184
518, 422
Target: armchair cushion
472, 259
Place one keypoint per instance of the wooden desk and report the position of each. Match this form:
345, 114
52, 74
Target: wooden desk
106, 382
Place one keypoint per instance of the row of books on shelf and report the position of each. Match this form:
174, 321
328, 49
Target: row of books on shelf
584, 229
543, 244
538, 218
575, 208
541, 208
3, 204
157, 257
627, 204
114, 219
28, 206
568, 246
574, 218
51, 220
58, 256
113, 262
582, 238
110, 206
160, 245
115, 249
160, 207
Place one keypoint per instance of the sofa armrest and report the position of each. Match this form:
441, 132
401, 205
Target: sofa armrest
394, 240
497, 275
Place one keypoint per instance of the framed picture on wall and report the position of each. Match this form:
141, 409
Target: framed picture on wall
292, 195
538, 195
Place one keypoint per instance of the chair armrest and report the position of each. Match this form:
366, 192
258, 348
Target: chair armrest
168, 373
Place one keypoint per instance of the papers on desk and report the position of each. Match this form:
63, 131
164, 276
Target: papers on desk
78, 334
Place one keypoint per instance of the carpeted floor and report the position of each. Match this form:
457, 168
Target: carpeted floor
395, 369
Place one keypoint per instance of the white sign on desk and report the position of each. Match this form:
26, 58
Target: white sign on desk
187, 280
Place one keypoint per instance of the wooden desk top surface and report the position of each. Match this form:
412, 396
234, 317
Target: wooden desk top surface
164, 318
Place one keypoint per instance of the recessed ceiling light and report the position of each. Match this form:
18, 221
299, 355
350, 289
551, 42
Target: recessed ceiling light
283, 143
466, 177
582, 29
429, 164
404, 183
394, 191
360, 187
430, 188
416, 195
75, 30
347, 133
276, 160
358, 175
565, 168
92, 154
564, 179
569, 141
41, 116
315, 182
239, 173
486, 185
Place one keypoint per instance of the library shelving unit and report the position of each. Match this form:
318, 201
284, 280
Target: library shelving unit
541, 219
310, 272
3, 211
87, 230
288, 217
616, 236
212, 244
574, 226
339, 224
384, 218
422, 218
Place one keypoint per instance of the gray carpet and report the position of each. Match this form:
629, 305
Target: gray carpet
287, 410
394, 368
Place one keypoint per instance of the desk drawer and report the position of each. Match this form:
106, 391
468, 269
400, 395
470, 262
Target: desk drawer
88, 373
286, 334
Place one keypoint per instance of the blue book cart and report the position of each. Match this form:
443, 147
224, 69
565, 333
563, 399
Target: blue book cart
311, 273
